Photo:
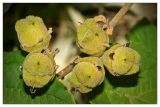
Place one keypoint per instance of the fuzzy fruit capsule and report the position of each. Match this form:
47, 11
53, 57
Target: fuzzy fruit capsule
32, 34
91, 38
38, 69
121, 60
87, 74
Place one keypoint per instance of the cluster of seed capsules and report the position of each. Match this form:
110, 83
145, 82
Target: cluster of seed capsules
88, 72
93, 40
39, 66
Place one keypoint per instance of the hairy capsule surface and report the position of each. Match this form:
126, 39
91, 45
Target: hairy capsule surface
38, 69
121, 60
32, 34
91, 38
87, 74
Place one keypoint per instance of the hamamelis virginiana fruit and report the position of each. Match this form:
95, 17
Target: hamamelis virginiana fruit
32, 34
38, 69
91, 38
87, 74
121, 60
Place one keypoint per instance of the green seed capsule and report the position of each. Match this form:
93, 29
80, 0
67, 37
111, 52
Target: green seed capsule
38, 69
120, 60
91, 38
32, 34
87, 74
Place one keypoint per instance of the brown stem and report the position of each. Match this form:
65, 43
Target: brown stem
120, 14
67, 69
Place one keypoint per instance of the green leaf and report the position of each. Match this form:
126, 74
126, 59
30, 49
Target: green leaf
16, 92
138, 88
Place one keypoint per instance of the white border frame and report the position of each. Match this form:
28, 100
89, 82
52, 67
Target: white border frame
80, 1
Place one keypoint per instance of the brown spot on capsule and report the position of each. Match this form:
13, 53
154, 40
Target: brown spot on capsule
33, 23
38, 63
96, 34
89, 76
111, 55
42, 50
99, 68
